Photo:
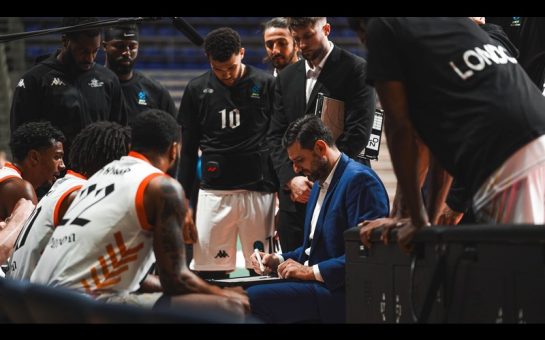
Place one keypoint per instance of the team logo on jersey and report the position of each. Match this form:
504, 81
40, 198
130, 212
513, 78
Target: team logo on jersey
221, 254
142, 98
96, 83
56, 82
256, 91
208, 90
21, 83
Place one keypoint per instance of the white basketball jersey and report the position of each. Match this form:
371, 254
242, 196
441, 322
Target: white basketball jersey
9, 171
104, 243
39, 226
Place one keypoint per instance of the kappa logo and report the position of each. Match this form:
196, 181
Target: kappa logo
208, 90
57, 82
96, 83
221, 254
128, 35
21, 83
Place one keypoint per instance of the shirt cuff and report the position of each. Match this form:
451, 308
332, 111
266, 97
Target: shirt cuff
317, 274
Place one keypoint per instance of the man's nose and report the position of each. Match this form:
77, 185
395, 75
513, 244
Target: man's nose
89, 58
126, 50
62, 166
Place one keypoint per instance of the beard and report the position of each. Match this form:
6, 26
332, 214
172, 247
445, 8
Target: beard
314, 54
283, 62
74, 64
118, 68
319, 169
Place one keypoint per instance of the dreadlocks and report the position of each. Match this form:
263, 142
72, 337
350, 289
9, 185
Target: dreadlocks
97, 145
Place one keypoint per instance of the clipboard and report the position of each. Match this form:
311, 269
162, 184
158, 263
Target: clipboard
331, 111
248, 281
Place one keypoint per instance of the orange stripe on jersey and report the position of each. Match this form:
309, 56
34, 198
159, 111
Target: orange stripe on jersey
139, 156
139, 201
59, 203
75, 174
10, 165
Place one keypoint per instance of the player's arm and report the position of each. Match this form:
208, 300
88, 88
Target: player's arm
12, 227
191, 137
13, 190
440, 182
166, 208
404, 152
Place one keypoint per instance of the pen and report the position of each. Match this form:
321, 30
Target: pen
261, 266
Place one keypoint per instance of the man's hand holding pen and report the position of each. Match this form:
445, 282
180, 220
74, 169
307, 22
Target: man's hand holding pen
269, 262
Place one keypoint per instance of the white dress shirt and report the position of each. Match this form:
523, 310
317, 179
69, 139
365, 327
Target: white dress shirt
313, 73
324, 187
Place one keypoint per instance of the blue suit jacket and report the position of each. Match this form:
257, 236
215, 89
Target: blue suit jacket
355, 194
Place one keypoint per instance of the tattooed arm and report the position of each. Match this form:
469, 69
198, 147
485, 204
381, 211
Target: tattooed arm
166, 210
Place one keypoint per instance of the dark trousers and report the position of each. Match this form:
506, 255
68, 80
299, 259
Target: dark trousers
295, 302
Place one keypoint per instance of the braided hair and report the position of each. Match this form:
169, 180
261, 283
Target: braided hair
97, 145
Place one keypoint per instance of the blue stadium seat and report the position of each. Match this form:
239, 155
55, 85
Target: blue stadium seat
12, 301
57, 305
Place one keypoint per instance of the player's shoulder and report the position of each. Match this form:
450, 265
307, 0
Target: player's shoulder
147, 80
259, 74
200, 81
164, 184
16, 187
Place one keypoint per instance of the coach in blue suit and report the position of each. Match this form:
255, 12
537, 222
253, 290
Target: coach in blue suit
345, 193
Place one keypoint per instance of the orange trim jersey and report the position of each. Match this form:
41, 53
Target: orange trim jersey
39, 227
9, 171
104, 243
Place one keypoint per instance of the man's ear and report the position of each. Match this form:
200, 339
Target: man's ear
174, 152
327, 29
320, 147
33, 157
65, 41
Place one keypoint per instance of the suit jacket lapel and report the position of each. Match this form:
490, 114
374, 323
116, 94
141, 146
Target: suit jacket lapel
327, 76
327, 200
311, 204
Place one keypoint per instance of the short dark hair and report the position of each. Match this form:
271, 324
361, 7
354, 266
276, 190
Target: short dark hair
307, 130
302, 22
278, 22
72, 21
119, 32
154, 130
33, 136
220, 44
97, 145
